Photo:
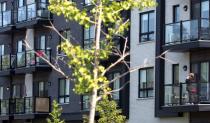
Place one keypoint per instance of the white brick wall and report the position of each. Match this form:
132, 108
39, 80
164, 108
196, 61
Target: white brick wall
142, 110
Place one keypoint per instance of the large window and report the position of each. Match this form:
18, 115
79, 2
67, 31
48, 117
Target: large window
42, 89
147, 25
64, 91
89, 36
146, 82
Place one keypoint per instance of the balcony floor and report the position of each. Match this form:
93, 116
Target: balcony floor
187, 108
187, 46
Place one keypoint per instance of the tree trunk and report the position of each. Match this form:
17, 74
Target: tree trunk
93, 102
93, 106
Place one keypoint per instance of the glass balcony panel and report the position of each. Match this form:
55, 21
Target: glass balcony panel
21, 59
5, 62
19, 106
29, 105
172, 95
31, 9
42, 54
190, 30
172, 34
30, 56
184, 94
4, 107
204, 92
6, 18
22, 13
205, 29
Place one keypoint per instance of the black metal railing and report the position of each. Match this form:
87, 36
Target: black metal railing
5, 18
25, 105
185, 94
186, 31
32, 58
32, 11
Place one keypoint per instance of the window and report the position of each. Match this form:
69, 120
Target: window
176, 13
175, 73
85, 102
2, 49
87, 2
1, 92
67, 35
42, 89
16, 91
42, 42
205, 9
64, 91
20, 47
115, 85
3, 6
30, 2
146, 82
20, 3
147, 21
89, 36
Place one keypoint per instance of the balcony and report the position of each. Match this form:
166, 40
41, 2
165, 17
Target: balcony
7, 62
25, 108
6, 21
187, 35
30, 61
187, 98
32, 15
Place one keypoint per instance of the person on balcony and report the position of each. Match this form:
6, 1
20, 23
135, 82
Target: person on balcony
192, 88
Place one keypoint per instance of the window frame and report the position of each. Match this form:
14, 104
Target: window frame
89, 39
61, 39
113, 75
145, 89
148, 26
173, 73
175, 19
65, 95
83, 102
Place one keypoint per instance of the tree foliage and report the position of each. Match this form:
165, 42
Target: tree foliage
109, 112
55, 114
88, 73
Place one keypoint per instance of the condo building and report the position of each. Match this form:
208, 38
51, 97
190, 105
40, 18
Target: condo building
176, 47
28, 84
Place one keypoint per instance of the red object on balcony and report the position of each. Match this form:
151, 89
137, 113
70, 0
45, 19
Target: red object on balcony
40, 53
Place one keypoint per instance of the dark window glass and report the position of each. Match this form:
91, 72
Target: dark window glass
147, 23
146, 83
16, 91
85, 102
115, 85
175, 73
64, 91
42, 89
89, 36
176, 16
